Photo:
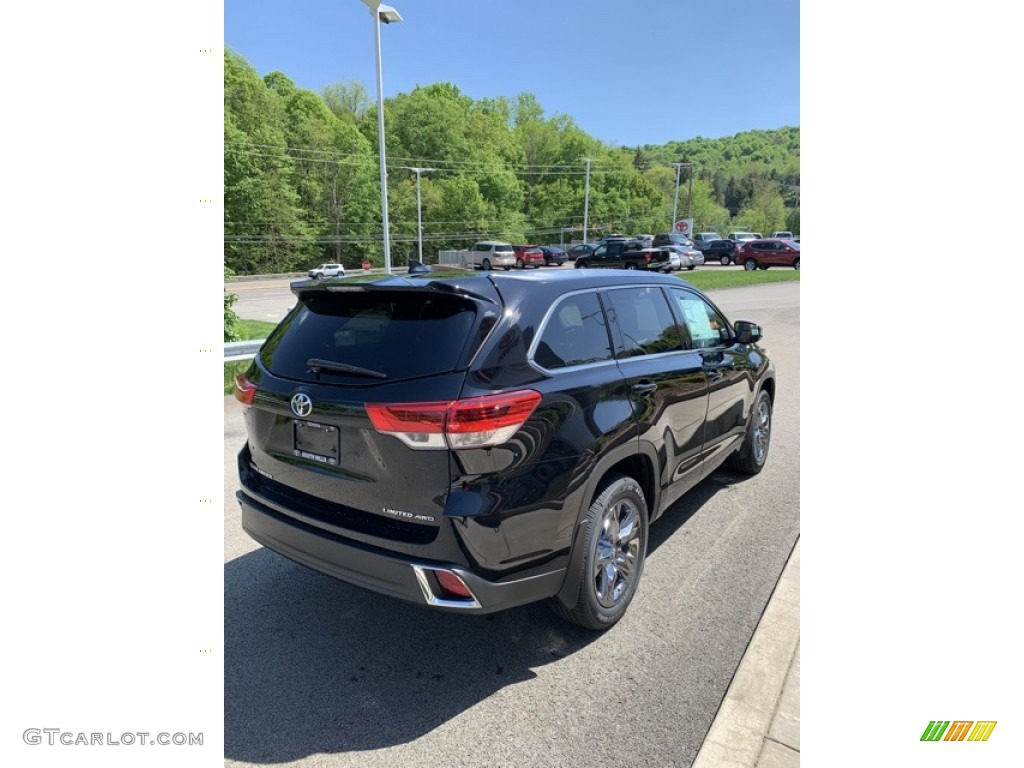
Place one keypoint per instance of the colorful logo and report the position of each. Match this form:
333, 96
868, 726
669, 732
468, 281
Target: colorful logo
958, 730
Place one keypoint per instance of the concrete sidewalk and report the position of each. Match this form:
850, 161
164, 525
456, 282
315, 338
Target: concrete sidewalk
758, 722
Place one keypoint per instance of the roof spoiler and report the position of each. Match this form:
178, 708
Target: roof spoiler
305, 288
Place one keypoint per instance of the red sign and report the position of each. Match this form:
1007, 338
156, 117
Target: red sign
682, 226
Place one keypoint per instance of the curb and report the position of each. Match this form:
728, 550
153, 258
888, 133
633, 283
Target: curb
758, 721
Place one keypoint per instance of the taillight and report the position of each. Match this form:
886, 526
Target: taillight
647, 257
245, 390
479, 422
419, 425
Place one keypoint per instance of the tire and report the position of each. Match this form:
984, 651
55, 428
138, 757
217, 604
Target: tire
796, 263
519, 264
581, 264
614, 537
764, 266
752, 455
486, 266
725, 261
750, 265
630, 265
692, 267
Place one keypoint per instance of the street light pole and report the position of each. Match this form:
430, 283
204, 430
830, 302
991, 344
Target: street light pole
387, 14
419, 209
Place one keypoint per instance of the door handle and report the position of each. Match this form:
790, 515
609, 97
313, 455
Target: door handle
645, 388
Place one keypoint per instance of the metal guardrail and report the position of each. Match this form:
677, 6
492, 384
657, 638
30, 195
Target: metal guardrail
241, 350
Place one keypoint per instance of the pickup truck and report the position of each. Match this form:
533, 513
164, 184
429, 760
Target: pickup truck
621, 255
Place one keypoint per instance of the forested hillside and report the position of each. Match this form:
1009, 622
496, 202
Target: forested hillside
302, 186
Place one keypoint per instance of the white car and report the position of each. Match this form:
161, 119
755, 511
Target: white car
327, 270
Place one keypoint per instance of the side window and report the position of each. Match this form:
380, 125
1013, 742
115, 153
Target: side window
476, 247
645, 321
703, 326
575, 334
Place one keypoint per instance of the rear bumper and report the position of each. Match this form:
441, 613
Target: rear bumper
384, 572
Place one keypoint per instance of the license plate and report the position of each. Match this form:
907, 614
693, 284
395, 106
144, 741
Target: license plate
316, 442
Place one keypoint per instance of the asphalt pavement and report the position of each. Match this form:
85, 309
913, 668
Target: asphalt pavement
318, 672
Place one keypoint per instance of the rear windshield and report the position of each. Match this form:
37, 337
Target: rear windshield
503, 249
400, 334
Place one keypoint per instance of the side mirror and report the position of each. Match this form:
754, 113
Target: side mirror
747, 333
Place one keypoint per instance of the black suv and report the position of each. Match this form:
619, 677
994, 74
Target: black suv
479, 442
724, 251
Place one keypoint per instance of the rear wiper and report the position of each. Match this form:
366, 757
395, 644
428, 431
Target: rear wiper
316, 366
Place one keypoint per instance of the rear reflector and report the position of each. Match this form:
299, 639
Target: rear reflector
479, 422
452, 585
245, 390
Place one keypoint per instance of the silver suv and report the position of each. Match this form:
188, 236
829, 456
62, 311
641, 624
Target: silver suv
489, 254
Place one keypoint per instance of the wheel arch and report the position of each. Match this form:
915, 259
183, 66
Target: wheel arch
626, 460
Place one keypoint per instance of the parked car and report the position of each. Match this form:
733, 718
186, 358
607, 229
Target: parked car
553, 255
489, 254
723, 251
761, 254
327, 270
701, 239
474, 443
611, 237
743, 237
672, 238
528, 256
619, 255
580, 249
644, 241
784, 235
683, 258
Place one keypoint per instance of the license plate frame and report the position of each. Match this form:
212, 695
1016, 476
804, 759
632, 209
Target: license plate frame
316, 442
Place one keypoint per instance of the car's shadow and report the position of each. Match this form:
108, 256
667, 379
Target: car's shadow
315, 666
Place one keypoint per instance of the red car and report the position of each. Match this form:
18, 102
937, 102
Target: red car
761, 254
528, 256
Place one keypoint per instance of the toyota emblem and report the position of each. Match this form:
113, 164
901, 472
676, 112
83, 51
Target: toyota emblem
302, 404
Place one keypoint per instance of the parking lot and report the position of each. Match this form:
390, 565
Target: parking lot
318, 672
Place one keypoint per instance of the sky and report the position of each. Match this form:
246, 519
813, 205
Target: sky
628, 73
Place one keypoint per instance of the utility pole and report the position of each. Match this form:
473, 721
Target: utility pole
419, 213
689, 200
675, 205
586, 199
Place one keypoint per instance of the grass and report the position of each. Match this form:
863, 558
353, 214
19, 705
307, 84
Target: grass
711, 279
248, 330
254, 329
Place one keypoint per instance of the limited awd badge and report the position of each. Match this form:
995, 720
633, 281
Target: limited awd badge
302, 404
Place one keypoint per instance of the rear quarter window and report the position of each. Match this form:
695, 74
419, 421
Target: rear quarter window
575, 334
